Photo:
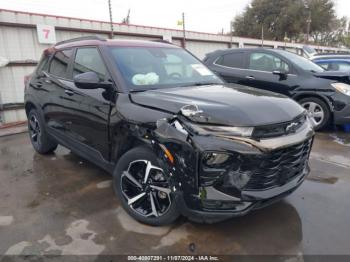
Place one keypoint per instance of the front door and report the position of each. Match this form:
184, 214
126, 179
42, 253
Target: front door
87, 112
261, 73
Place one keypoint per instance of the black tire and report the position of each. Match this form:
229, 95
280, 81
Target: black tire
323, 106
127, 160
41, 141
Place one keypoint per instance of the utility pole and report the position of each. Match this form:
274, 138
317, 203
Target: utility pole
111, 19
308, 21
231, 29
183, 30
285, 39
128, 17
262, 35
126, 20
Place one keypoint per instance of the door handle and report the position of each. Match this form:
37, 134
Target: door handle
250, 77
69, 92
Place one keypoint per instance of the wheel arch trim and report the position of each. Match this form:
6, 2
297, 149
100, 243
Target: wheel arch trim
324, 98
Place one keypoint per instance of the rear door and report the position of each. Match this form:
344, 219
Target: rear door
230, 66
39, 80
56, 82
260, 68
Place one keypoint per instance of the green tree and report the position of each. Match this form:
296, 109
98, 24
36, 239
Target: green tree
345, 34
335, 35
282, 18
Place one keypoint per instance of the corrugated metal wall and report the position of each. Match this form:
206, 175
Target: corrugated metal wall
19, 44
200, 49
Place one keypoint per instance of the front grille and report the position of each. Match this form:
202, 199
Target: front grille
261, 172
280, 129
280, 167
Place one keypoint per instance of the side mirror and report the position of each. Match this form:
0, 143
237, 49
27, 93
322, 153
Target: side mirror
41, 74
90, 80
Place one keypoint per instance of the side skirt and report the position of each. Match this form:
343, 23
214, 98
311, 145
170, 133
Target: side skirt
84, 151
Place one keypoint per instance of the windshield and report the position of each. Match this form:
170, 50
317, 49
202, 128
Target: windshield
301, 62
310, 50
146, 68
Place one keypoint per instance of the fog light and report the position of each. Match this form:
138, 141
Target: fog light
237, 178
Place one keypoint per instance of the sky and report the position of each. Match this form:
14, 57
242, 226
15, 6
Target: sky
201, 15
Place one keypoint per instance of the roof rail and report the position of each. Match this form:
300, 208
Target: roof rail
161, 41
90, 37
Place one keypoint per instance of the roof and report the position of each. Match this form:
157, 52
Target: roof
95, 41
238, 50
345, 60
333, 57
331, 54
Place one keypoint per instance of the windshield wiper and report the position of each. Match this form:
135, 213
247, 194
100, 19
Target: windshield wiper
200, 84
138, 90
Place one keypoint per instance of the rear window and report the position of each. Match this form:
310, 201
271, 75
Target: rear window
335, 66
234, 60
323, 65
59, 63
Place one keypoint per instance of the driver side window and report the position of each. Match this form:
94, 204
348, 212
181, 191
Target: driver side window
267, 62
89, 60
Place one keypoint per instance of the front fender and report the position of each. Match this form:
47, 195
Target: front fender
326, 98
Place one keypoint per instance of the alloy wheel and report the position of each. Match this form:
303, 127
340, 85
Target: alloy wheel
145, 189
34, 130
315, 112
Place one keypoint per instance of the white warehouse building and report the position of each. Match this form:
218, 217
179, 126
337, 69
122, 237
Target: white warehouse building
20, 48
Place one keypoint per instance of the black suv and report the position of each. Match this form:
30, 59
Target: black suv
326, 95
175, 137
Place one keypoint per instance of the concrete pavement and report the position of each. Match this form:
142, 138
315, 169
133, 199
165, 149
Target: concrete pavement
61, 204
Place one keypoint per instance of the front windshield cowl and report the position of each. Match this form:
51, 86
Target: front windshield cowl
148, 68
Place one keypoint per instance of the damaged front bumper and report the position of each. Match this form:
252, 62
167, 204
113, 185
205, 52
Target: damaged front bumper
246, 174
209, 210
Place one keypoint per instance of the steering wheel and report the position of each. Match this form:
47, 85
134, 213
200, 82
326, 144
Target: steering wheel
174, 76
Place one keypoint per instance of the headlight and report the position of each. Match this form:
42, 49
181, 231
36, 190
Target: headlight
221, 130
214, 160
342, 88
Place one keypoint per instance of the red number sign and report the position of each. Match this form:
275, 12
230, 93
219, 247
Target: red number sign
46, 33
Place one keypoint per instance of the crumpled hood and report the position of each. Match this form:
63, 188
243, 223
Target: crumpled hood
226, 104
335, 75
